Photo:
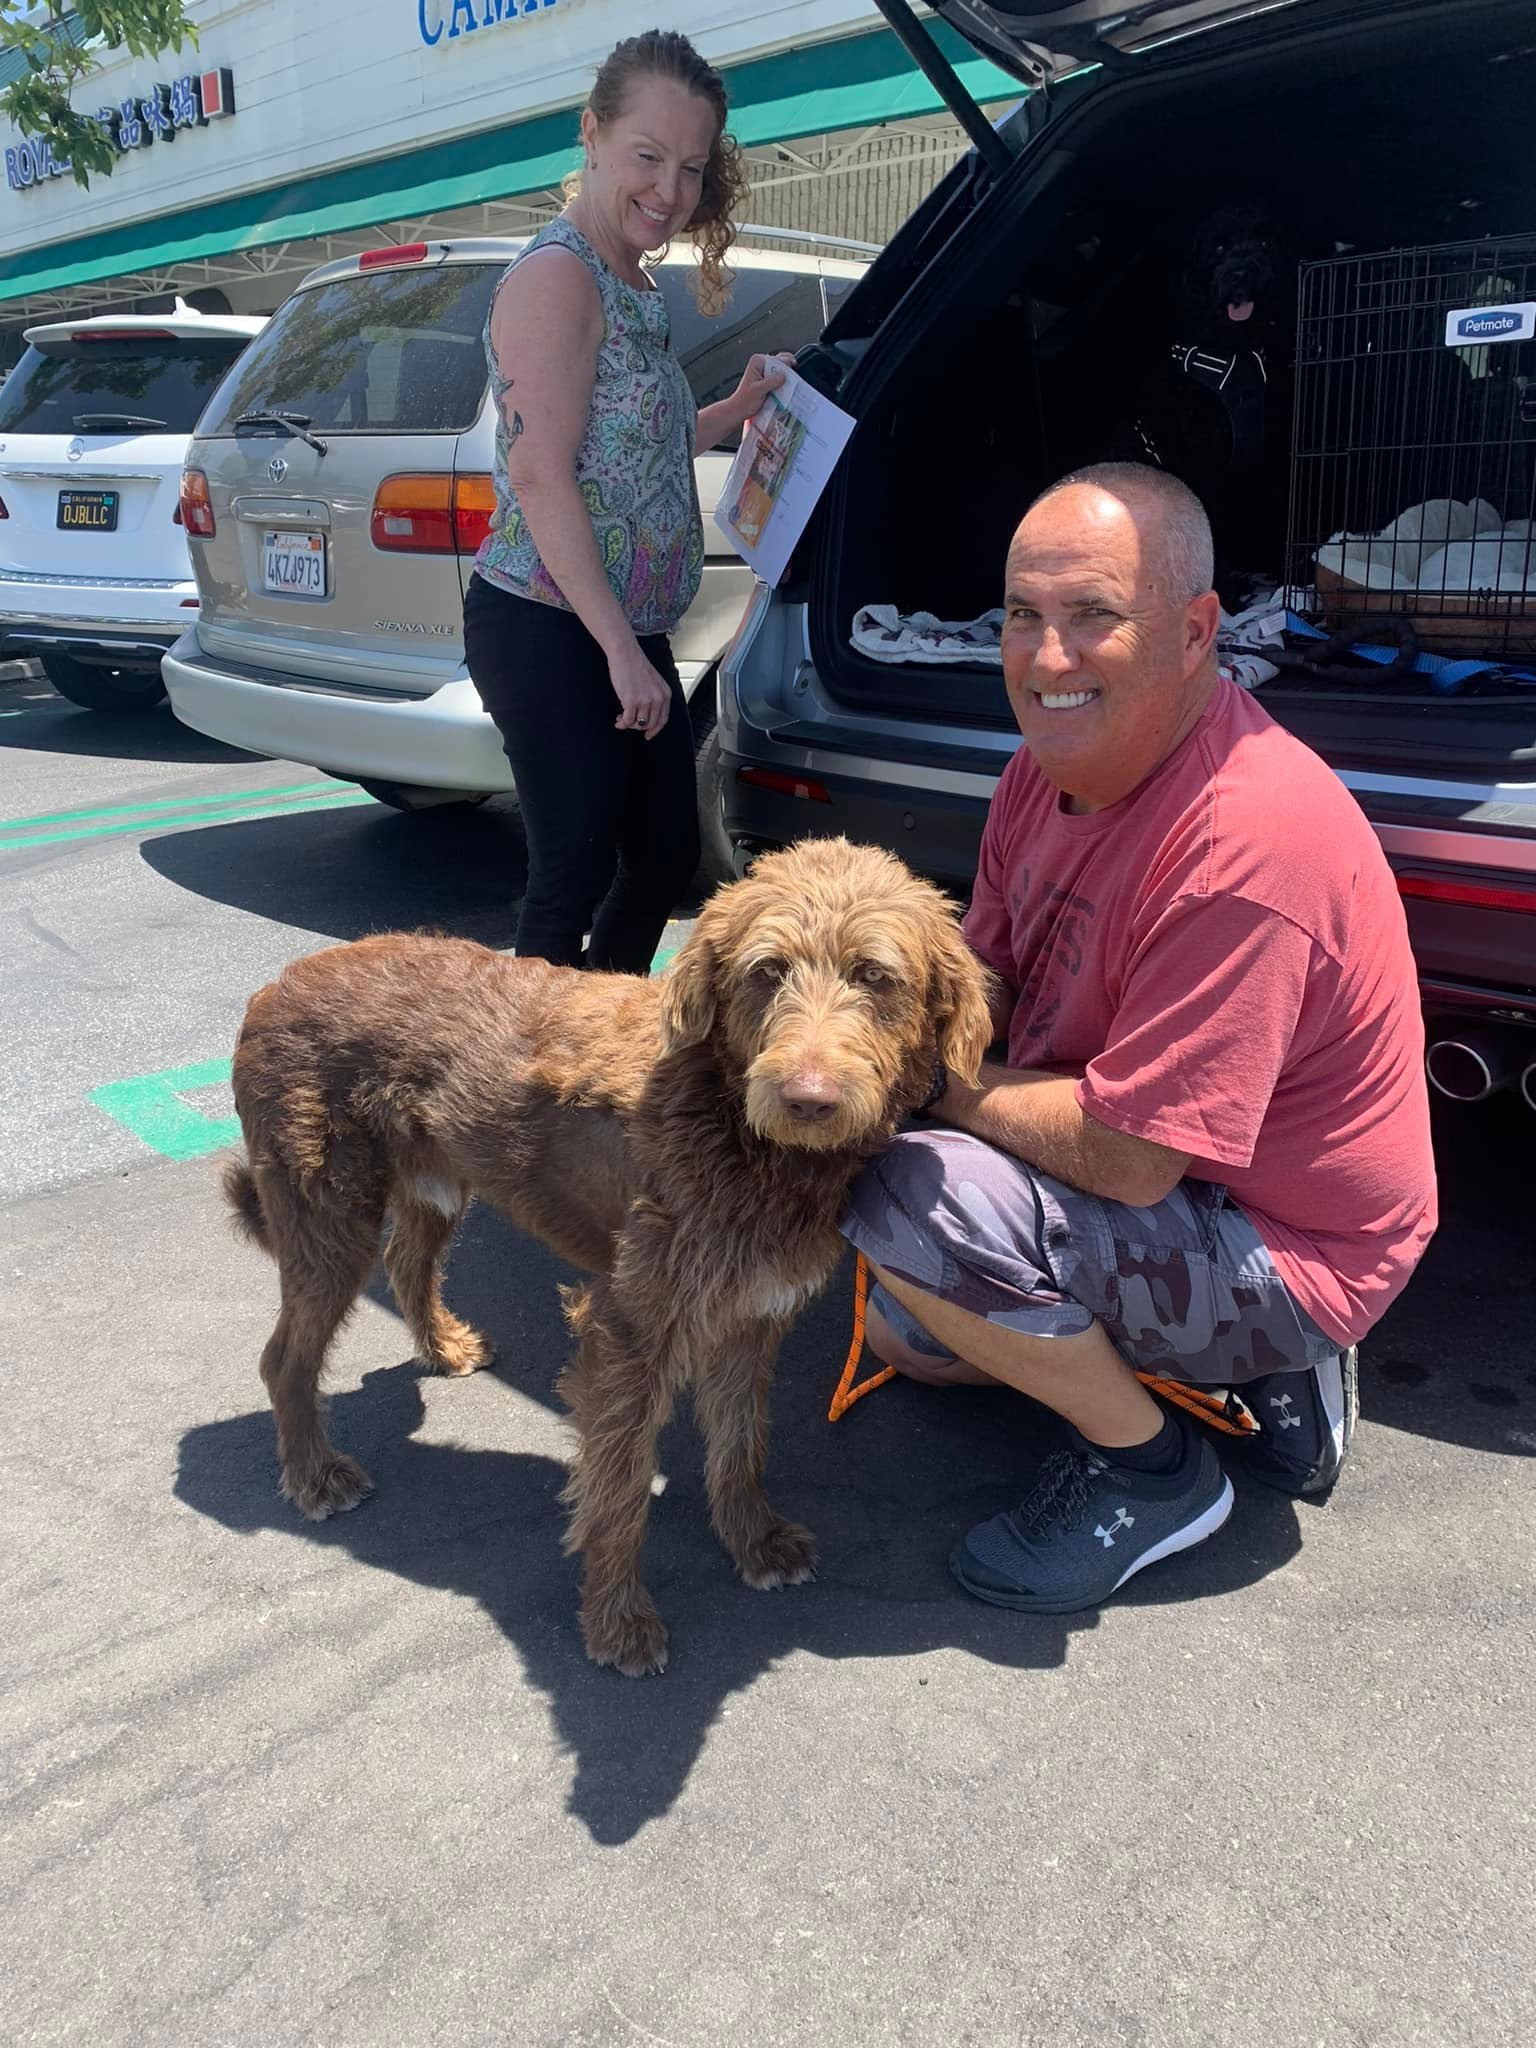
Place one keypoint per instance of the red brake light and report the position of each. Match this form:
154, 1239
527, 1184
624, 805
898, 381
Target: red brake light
432, 514
785, 785
413, 515
122, 334
196, 507
1480, 895
474, 507
3, 513
407, 252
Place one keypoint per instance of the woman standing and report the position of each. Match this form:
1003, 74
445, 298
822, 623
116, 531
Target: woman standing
598, 545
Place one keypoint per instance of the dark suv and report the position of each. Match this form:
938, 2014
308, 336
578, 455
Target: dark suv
1005, 337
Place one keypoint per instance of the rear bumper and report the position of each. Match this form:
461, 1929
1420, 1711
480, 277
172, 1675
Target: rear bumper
442, 741
130, 623
1464, 850
937, 832
1470, 956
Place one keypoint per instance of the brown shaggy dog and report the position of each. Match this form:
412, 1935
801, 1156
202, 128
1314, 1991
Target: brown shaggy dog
688, 1139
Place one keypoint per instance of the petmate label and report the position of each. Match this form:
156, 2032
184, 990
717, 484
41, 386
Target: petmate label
1489, 323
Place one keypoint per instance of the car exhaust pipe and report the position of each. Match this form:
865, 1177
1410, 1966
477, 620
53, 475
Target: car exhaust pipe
1469, 1066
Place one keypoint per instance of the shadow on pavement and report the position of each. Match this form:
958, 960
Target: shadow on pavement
52, 725
888, 1491
345, 873
1453, 1358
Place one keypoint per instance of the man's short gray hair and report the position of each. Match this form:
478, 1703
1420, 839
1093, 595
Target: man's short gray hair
1188, 554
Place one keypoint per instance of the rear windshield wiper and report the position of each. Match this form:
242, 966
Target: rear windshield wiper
87, 422
296, 423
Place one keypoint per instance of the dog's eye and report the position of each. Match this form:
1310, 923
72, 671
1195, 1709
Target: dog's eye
769, 972
871, 975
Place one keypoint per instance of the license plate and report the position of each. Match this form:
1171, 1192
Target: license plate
88, 511
293, 564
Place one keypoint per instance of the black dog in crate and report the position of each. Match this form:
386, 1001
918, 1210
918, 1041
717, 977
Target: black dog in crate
1215, 411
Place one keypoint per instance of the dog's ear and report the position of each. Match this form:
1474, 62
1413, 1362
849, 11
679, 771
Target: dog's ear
959, 992
688, 991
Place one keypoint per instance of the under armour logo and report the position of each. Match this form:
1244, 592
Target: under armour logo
1122, 1521
1287, 1419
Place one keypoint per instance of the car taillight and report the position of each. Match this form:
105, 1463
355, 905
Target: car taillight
432, 514
98, 334
802, 786
407, 252
474, 507
1477, 895
196, 507
3, 513
413, 515
176, 518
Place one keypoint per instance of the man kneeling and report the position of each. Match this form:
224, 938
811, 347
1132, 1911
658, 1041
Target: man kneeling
1207, 1157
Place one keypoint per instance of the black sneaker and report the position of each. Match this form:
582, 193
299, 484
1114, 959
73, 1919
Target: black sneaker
1090, 1525
1306, 1424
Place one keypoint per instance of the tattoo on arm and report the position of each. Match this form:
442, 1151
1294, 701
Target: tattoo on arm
513, 419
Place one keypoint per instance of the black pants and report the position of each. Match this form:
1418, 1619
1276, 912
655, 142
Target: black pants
611, 817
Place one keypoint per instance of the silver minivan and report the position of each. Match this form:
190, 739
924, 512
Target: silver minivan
338, 487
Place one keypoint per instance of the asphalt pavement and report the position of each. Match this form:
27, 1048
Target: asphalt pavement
274, 1782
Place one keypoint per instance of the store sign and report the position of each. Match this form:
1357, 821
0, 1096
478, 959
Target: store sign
442, 21
134, 123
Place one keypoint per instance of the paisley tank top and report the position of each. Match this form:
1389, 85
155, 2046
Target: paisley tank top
634, 467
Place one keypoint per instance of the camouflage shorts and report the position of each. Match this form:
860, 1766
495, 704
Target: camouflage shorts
1185, 1288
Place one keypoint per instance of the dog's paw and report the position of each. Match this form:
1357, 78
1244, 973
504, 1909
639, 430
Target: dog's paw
330, 1489
460, 1351
633, 1641
784, 1555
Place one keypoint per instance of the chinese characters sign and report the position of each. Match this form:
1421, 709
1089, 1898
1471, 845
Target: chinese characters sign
134, 123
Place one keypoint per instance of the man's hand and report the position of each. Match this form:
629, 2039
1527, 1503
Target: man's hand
1036, 1116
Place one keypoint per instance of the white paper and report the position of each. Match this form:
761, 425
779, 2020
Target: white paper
789, 449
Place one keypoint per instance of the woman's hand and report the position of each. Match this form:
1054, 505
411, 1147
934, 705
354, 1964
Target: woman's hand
644, 699
761, 376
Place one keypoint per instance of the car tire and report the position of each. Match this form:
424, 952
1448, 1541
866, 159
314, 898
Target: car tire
407, 796
116, 690
709, 780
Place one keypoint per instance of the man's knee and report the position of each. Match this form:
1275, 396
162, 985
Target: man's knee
896, 1337
916, 1204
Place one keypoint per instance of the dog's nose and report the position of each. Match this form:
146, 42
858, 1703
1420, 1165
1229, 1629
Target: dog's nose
811, 1098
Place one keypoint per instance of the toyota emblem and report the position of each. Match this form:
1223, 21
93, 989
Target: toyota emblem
277, 469
75, 450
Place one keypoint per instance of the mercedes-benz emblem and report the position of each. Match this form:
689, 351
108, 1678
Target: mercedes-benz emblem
75, 450
277, 469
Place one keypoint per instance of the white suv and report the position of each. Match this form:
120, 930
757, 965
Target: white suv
94, 425
339, 485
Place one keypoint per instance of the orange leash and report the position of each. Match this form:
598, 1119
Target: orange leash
847, 1393
1209, 1408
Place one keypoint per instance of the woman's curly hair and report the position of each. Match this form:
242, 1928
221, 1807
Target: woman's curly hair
662, 53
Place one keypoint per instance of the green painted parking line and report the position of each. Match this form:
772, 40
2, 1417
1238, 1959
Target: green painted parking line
344, 799
151, 1108
168, 803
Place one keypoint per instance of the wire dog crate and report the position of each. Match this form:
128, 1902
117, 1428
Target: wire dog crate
1413, 472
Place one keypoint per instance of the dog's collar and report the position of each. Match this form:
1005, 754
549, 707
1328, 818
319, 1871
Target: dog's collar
936, 1087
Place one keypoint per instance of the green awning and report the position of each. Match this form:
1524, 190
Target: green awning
857, 82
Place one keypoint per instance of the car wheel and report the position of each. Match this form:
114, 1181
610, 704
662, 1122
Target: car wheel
407, 796
103, 689
714, 842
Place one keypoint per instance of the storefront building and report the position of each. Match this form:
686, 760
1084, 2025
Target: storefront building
298, 131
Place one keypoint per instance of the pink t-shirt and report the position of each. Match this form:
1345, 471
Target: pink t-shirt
1224, 952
